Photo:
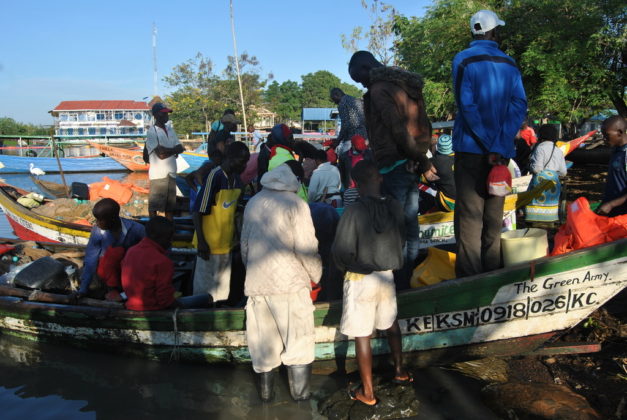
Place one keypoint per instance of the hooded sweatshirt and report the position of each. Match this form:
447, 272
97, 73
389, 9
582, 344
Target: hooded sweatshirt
280, 252
369, 236
396, 117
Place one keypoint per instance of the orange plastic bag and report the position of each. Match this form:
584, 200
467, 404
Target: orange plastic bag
584, 228
110, 188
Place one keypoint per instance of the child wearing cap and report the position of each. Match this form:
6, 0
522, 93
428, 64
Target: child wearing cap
444, 163
368, 246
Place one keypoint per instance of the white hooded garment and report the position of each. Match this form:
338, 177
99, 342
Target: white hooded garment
278, 241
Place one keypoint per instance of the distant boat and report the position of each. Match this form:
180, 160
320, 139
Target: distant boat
21, 164
133, 159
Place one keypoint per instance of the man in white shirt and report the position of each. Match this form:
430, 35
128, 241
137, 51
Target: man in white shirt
163, 147
326, 183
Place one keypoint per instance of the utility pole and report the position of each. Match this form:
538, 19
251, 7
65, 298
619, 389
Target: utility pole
239, 77
154, 60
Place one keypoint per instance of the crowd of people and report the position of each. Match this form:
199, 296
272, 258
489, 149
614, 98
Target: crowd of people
291, 239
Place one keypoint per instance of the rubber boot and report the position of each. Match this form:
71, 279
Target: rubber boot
266, 386
298, 377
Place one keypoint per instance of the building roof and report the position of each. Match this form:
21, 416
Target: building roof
101, 105
126, 123
318, 114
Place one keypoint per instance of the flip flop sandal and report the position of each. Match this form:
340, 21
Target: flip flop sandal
406, 381
352, 393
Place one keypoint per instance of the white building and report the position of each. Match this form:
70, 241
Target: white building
101, 118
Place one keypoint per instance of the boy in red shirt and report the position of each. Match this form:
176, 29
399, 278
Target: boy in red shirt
147, 271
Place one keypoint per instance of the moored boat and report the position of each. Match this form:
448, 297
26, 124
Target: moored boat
133, 160
21, 164
29, 225
510, 311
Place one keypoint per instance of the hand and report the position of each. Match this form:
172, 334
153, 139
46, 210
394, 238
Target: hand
605, 208
430, 174
204, 251
495, 159
75, 297
190, 179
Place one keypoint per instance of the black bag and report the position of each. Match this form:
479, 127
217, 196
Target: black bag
45, 274
145, 154
80, 190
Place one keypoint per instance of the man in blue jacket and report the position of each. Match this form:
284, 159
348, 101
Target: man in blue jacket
491, 106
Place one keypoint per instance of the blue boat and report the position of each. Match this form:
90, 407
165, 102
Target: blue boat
21, 164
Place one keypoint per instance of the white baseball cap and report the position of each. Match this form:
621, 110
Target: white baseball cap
487, 21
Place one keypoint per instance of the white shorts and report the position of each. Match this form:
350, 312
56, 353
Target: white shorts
213, 276
369, 303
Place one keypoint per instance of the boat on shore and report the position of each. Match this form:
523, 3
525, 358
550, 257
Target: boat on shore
510, 311
133, 160
21, 164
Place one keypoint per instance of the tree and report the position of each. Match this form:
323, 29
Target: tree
252, 85
379, 35
571, 56
9, 126
201, 96
428, 44
193, 100
316, 89
284, 99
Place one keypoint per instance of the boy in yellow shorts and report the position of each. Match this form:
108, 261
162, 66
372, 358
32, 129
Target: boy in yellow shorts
214, 223
368, 246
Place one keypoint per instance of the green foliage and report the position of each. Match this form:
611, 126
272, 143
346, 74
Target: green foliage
571, 52
379, 36
201, 96
284, 99
9, 126
316, 89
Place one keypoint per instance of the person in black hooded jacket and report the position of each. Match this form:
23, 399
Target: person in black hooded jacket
368, 246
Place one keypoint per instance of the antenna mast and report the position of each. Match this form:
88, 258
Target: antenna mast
239, 78
154, 60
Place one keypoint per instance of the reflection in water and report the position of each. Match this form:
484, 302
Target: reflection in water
72, 383
45, 381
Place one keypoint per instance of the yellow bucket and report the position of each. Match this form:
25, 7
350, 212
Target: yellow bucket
523, 245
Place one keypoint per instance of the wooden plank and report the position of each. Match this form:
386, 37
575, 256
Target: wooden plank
566, 348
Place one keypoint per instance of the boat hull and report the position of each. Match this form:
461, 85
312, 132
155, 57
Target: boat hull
133, 160
21, 165
508, 311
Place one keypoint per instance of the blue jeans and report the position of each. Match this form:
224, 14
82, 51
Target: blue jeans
401, 185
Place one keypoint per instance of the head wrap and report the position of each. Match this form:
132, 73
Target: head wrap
281, 134
358, 142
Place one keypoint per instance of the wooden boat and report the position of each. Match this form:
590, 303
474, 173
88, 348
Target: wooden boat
510, 311
28, 225
21, 164
133, 160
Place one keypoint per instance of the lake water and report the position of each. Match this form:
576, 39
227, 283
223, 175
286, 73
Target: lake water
52, 381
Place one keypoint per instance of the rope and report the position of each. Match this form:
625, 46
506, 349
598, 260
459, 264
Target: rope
175, 348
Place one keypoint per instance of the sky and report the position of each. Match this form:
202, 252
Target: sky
90, 50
